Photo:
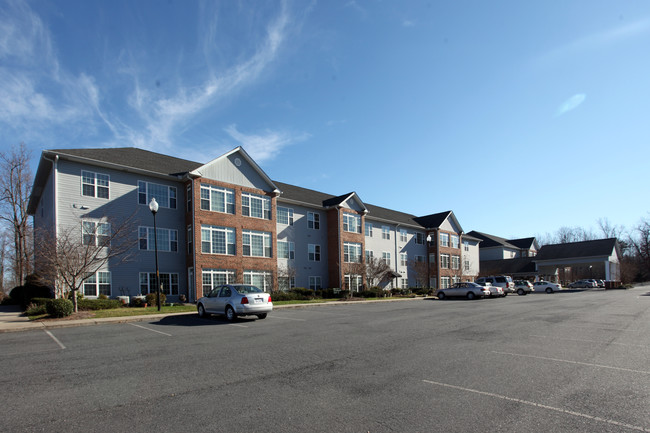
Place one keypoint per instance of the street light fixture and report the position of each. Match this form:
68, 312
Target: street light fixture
153, 207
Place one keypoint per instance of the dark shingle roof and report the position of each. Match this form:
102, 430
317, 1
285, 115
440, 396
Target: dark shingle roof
434, 220
491, 240
135, 158
523, 243
336, 200
600, 247
521, 265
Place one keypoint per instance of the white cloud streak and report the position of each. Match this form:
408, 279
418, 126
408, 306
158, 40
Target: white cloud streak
264, 147
571, 104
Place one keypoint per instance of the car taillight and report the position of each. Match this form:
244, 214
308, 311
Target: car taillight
244, 300
269, 300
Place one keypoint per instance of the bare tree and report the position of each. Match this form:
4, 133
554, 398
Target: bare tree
76, 253
610, 230
4, 241
376, 270
420, 269
15, 188
640, 245
286, 273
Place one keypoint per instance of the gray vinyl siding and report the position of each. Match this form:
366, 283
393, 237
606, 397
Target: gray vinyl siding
225, 170
121, 205
302, 236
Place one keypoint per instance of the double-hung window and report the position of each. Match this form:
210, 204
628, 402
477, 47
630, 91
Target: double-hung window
444, 239
165, 195
351, 223
313, 220
213, 278
466, 245
353, 282
96, 233
217, 199
313, 252
403, 235
255, 206
315, 283
167, 239
97, 284
260, 279
351, 252
286, 250
385, 232
94, 184
168, 281
403, 259
455, 241
217, 240
385, 256
369, 230
369, 256
256, 244
444, 261
285, 216
419, 238
466, 263
455, 262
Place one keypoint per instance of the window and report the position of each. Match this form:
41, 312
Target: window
286, 283
444, 239
351, 252
314, 283
403, 235
96, 233
217, 240
351, 223
188, 193
444, 282
164, 195
213, 278
466, 265
190, 239
314, 252
167, 239
385, 256
285, 215
432, 258
217, 199
168, 283
369, 230
419, 259
466, 245
255, 206
455, 279
455, 262
313, 220
286, 250
97, 284
260, 279
353, 282
385, 232
369, 256
403, 259
419, 238
444, 261
455, 241
405, 283
256, 244
94, 184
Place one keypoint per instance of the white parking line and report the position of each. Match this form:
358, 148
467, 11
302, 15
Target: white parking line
287, 318
55, 339
573, 362
542, 406
235, 324
149, 329
588, 341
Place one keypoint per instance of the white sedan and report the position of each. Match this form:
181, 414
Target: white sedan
465, 290
546, 286
234, 300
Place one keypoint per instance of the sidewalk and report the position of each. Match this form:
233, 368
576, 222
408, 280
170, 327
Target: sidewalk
12, 318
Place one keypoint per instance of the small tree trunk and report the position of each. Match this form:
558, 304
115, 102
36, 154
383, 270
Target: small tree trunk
74, 300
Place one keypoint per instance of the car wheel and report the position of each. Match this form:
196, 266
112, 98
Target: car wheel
261, 316
549, 290
202, 312
521, 292
471, 295
441, 296
505, 294
230, 314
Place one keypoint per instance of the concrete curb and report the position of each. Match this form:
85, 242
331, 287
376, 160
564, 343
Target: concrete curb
54, 324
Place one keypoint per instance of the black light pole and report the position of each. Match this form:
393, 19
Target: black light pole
428, 263
153, 207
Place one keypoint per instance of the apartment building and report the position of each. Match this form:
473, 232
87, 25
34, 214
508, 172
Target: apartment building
227, 221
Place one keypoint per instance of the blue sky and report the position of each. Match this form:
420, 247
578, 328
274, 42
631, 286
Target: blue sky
521, 117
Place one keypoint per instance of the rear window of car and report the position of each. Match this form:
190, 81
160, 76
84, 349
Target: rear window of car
501, 280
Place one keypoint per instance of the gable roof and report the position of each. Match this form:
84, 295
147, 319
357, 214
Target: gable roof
600, 247
492, 241
524, 243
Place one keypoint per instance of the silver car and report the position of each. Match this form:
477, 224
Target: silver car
465, 290
234, 300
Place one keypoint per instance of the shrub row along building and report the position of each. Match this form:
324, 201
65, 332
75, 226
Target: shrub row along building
227, 221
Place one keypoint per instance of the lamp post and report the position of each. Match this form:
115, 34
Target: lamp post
153, 207
428, 263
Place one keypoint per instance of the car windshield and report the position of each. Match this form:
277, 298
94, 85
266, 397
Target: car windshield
247, 289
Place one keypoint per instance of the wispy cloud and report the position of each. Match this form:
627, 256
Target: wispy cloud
266, 146
408, 23
570, 104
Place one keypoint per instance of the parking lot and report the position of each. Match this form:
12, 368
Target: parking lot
563, 362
